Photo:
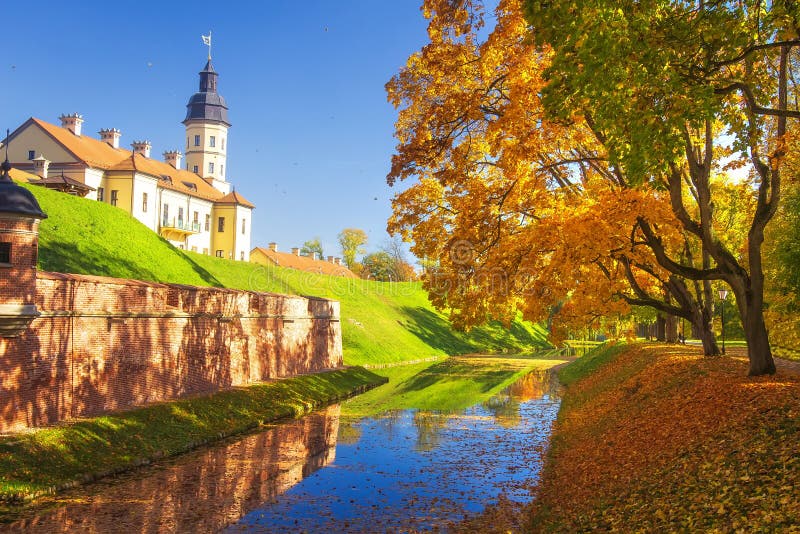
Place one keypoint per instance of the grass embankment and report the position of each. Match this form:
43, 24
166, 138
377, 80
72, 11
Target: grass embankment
658, 438
54, 458
381, 322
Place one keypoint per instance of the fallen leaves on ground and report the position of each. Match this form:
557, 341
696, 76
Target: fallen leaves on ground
663, 438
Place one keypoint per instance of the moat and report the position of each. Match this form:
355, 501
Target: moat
385, 461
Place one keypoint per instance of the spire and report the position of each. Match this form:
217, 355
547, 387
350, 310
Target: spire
6, 166
208, 78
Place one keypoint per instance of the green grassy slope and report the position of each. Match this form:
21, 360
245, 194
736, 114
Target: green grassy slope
380, 322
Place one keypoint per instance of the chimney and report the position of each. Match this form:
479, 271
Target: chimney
173, 157
296, 251
142, 148
72, 123
273, 247
110, 136
40, 165
330, 259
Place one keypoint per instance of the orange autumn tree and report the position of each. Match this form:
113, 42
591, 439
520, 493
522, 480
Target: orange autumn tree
522, 213
663, 83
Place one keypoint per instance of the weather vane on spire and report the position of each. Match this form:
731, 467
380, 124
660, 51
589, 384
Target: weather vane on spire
207, 42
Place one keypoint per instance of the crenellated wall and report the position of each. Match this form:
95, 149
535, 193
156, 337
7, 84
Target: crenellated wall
105, 344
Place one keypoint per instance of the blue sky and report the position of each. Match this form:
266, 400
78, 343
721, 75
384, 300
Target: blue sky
311, 139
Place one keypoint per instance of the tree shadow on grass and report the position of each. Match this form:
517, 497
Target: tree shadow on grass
202, 272
434, 330
66, 257
438, 333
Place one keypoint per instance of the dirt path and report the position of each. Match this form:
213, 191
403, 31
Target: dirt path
789, 366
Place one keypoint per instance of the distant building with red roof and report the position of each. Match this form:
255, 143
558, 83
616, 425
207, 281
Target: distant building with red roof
294, 260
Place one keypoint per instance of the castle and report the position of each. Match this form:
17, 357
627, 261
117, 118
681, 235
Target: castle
79, 345
191, 205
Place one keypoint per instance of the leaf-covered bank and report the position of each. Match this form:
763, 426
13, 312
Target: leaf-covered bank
49, 459
659, 438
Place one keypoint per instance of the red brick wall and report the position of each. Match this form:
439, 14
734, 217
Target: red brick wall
105, 344
22, 234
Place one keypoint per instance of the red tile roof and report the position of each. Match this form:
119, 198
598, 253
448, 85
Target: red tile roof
304, 263
235, 198
100, 155
170, 177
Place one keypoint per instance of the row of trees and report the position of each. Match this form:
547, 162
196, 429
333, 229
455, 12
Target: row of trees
389, 264
573, 160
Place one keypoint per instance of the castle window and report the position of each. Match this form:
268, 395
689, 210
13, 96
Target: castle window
244, 221
194, 249
221, 224
242, 256
208, 222
210, 167
180, 216
187, 141
223, 143
100, 194
144, 202
219, 254
222, 170
5, 252
165, 213
31, 154
114, 197
196, 169
212, 141
196, 140
205, 252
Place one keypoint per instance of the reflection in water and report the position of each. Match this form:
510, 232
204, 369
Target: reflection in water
412, 469
201, 491
403, 470
430, 426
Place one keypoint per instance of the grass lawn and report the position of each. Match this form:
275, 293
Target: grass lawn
43, 461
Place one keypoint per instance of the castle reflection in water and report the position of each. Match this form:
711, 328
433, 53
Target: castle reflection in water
202, 491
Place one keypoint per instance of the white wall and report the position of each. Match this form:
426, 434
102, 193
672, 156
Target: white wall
143, 183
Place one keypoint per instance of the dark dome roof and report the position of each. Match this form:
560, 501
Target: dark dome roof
15, 199
207, 104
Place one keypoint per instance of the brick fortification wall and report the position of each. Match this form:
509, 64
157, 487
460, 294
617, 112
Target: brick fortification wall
104, 344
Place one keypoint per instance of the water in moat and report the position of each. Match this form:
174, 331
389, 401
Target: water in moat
368, 465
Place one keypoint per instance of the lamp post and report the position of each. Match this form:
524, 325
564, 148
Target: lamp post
723, 293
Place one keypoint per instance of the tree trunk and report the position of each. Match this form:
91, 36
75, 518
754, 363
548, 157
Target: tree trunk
701, 326
661, 328
671, 329
759, 352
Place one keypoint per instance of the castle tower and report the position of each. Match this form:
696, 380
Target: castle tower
19, 245
207, 131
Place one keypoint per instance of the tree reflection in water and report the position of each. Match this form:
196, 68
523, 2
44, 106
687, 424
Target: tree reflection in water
202, 491
406, 470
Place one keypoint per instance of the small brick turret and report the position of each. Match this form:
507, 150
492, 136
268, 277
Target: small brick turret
19, 246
